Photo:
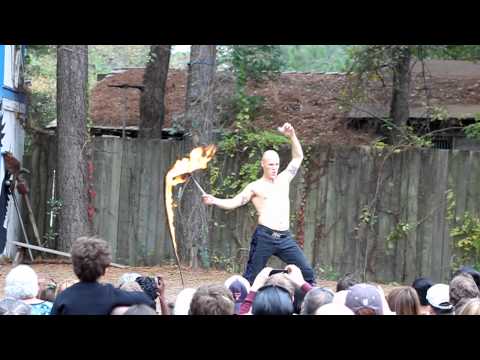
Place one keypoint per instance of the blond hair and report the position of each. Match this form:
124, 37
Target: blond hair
471, 307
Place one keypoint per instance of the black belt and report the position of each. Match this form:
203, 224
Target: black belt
273, 233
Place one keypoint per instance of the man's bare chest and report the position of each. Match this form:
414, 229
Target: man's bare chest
267, 192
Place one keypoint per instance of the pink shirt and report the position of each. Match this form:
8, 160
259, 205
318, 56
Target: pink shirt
247, 304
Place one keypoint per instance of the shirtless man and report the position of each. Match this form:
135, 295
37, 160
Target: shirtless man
270, 196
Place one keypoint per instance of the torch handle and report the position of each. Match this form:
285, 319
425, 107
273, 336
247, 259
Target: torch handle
199, 187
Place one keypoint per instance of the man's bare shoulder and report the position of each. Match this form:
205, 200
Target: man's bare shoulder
254, 185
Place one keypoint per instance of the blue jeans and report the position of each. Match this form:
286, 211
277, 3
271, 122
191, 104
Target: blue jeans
267, 242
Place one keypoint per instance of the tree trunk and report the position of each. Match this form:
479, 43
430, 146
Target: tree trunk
199, 123
152, 101
72, 148
399, 108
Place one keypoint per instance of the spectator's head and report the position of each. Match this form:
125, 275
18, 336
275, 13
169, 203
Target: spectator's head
212, 300
272, 300
347, 281
182, 301
471, 307
90, 258
463, 287
140, 309
340, 297
364, 299
438, 297
282, 280
469, 270
47, 289
10, 306
316, 298
21, 283
239, 287
149, 286
130, 286
404, 301
127, 277
421, 286
333, 309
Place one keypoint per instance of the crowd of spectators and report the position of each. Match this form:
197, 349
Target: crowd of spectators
273, 292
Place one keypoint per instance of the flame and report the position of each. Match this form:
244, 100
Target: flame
178, 174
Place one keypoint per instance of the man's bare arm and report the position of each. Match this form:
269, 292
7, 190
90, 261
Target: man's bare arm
297, 152
229, 204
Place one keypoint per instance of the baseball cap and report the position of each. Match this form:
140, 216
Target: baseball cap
438, 296
364, 295
183, 300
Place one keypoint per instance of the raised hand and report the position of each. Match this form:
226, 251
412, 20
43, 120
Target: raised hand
295, 275
261, 278
287, 129
160, 285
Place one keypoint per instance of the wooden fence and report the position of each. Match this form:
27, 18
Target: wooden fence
348, 205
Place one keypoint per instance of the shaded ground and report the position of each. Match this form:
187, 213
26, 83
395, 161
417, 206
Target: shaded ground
193, 278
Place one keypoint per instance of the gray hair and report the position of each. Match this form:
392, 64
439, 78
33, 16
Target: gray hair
316, 298
21, 283
127, 277
10, 306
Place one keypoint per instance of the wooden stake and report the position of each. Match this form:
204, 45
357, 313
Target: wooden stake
56, 252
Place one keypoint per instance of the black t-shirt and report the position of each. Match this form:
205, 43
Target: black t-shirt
93, 298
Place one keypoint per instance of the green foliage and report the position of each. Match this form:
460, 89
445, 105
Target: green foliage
408, 138
467, 238
371, 60
53, 209
50, 236
400, 231
455, 52
179, 60
255, 62
41, 65
220, 262
451, 206
41, 70
465, 232
326, 272
315, 58
473, 131
104, 58
367, 217
248, 62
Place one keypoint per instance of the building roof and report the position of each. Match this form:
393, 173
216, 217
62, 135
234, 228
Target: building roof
451, 85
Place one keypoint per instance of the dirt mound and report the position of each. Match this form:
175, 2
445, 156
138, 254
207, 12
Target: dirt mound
116, 98
307, 100
310, 101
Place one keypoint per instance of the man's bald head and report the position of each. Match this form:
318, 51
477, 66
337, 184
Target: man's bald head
270, 155
270, 164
